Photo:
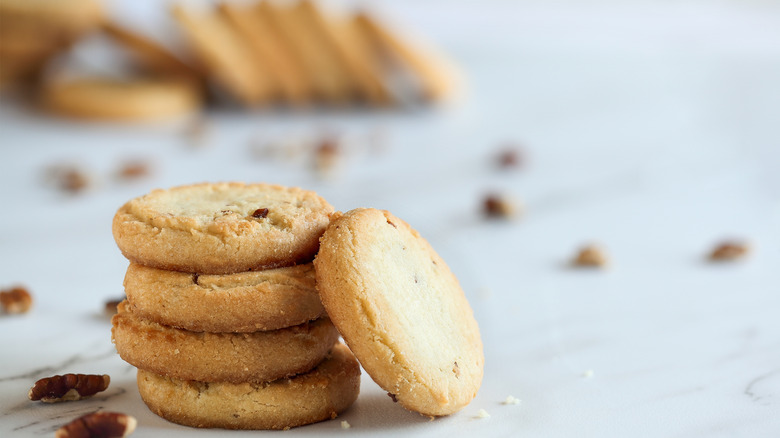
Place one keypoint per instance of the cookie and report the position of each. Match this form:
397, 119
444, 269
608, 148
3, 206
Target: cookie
330, 82
222, 228
114, 99
225, 55
220, 357
261, 37
321, 394
401, 311
152, 56
245, 302
357, 69
436, 78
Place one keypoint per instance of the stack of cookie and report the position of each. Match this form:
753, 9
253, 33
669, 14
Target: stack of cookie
222, 318
297, 53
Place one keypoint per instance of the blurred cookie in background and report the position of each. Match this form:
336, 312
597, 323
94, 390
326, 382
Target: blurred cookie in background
33, 31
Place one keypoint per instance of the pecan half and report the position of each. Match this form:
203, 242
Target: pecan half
729, 251
98, 424
134, 169
15, 300
68, 387
591, 256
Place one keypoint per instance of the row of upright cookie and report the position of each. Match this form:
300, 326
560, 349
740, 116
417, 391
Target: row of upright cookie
262, 53
225, 320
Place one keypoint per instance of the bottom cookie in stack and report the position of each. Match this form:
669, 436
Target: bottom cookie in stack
317, 395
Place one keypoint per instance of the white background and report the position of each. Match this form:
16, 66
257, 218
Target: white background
650, 127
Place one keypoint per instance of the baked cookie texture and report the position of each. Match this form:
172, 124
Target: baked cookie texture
317, 395
222, 228
401, 311
220, 357
243, 302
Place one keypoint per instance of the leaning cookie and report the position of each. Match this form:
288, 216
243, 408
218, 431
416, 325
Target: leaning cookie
222, 228
401, 311
318, 395
244, 302
220, 357
111, 99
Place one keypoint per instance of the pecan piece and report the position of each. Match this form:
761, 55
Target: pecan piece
98, 424
260, 213
134, 169
591, 256
15, 300
729, 251
68, 387
499, 206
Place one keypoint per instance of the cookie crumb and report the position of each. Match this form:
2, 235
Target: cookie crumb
729, 251
345, 424
482, 414
510, 400
588, 374
499, 206
592, 256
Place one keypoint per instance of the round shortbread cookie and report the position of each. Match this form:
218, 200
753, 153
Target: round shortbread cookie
401, 311
151, 55
110, 99
245, 302
222, 228
318, 395
220, 357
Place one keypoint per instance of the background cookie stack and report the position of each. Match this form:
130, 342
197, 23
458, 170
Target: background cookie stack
222, 318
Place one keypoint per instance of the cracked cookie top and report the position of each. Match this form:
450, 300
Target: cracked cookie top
221, 228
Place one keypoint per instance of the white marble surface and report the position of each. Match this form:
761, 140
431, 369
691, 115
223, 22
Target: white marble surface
651, 127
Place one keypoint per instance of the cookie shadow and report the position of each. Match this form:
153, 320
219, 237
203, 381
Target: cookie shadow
377, 411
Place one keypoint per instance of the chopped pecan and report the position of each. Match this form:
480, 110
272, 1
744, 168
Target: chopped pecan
68, 387
68, 178
499, 206
15, 300
260, 213
729, 251
98, 424
591, 256
134, 169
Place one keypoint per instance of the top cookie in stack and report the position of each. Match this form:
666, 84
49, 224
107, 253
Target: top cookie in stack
222, 228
